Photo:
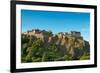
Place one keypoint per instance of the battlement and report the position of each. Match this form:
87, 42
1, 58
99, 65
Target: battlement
75, 33
43, 33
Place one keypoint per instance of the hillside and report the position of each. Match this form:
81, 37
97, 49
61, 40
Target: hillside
40, 45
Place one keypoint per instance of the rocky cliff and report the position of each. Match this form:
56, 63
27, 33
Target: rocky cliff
71, 43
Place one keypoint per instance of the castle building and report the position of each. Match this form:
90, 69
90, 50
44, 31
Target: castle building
75, 33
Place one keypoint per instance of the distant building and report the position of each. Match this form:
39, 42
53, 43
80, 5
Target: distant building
75, 33
45, 34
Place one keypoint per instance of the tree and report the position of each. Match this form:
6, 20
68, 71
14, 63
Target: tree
50, 33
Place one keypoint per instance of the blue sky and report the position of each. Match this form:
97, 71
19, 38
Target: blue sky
56, 21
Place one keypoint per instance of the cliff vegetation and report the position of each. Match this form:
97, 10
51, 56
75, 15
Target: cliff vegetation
43, 46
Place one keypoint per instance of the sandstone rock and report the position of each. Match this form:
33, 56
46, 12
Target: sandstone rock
68, 43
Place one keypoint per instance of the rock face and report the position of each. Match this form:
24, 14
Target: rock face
72, 43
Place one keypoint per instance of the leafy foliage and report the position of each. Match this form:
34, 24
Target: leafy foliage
85, 57
35, 50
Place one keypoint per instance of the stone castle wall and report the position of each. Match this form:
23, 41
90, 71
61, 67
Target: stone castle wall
72, 42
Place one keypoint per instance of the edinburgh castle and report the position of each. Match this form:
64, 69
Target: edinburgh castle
73, 43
